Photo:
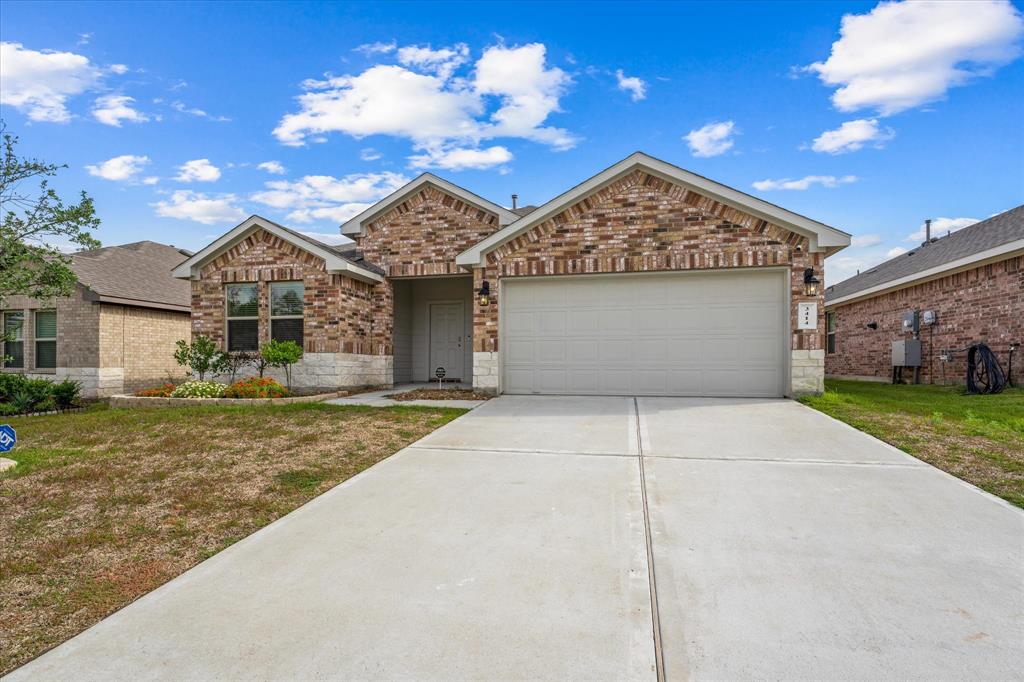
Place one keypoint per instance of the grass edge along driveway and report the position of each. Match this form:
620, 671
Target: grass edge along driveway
106, 505
978, 438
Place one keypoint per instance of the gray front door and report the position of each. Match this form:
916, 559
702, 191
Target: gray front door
446, 330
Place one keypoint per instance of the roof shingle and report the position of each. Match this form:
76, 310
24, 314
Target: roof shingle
988, 234
139, 273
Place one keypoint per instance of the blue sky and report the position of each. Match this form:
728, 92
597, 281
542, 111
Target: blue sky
164, 113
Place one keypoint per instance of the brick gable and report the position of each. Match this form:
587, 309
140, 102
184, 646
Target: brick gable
422, 235
643, 223
338, 310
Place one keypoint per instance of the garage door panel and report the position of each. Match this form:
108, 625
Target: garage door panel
687, 334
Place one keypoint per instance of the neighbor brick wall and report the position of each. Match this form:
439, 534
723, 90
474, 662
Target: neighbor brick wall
985, 304
339, 311
142, 341
77, 328
642, 223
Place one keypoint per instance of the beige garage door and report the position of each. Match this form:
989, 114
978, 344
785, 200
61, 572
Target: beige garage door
685, 334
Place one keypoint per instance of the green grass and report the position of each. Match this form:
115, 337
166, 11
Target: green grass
105, 505
979, 438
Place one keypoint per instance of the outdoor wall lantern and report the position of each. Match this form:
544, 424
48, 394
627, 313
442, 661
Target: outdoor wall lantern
812, 285
485, 293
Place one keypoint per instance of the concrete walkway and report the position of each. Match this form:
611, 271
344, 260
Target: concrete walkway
529, 539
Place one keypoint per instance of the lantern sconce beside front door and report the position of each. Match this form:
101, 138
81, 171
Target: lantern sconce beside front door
484, 294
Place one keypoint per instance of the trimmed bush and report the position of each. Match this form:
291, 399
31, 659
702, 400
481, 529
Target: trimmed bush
66, 394
164, 391
256, 387
199, 389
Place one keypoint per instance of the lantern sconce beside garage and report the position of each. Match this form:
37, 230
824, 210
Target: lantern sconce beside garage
485, 293
812, 285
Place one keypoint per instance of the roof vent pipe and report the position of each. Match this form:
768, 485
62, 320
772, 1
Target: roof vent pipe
515, 198
927, 232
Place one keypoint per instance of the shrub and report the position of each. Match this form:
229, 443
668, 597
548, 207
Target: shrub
231, 364
200, 356
199, 389
21, 402
66, 393
255, 387
164, 391
282, 354
9, 385
38, 390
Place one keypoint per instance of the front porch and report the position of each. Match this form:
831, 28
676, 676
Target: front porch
433, 328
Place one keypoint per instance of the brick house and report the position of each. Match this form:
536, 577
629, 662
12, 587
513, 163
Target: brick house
973, 282
116, 332
645, 279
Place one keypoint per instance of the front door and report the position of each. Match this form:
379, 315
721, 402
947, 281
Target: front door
446, 338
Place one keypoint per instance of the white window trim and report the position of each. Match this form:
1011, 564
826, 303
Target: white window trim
45, 339
228, 318
301, 316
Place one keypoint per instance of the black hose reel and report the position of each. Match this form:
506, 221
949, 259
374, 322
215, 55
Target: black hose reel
984, 373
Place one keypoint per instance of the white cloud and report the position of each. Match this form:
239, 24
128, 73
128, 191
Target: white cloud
119, 69
272, 167
369, 154
39, 84
851, 136
188, 205
712, 139
903, 54
940, 226
442, 62
636, 87
422, 101
865, 240
120, 168
370, 49
805, 182
459, 159
111, 110
84, 38
198, 170
151, 180
895, 251
323, 197
195, 111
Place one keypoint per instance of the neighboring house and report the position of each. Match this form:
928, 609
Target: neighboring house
645, 279
116, 332
973, 280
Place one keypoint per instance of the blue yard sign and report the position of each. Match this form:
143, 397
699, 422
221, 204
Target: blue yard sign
7, 438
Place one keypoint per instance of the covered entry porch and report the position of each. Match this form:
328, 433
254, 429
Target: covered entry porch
433, 327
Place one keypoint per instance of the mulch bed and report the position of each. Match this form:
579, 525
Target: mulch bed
440, 394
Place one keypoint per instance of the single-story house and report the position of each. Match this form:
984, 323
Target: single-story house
645, 279
966, 287
116, 332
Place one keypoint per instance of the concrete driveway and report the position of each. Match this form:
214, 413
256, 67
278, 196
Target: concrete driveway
529, 539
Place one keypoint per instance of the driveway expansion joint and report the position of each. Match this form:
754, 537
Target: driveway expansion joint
659, 659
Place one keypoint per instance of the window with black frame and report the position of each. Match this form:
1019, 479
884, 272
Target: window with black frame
243, 315
13, 339
830, 333
286, 305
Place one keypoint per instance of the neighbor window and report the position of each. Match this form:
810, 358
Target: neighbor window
46, 339
243, 313
830, 332
14, 344
286, 311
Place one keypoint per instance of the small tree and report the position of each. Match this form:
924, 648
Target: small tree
233, 363
282, 354
200, 356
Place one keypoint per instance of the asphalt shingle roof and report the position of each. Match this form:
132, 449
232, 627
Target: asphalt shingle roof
988, 234
138, 272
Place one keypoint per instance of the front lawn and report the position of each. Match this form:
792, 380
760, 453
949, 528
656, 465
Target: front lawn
979, 438
106, 505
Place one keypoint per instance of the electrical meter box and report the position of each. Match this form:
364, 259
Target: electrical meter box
906, 353
911, 323
929, 317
